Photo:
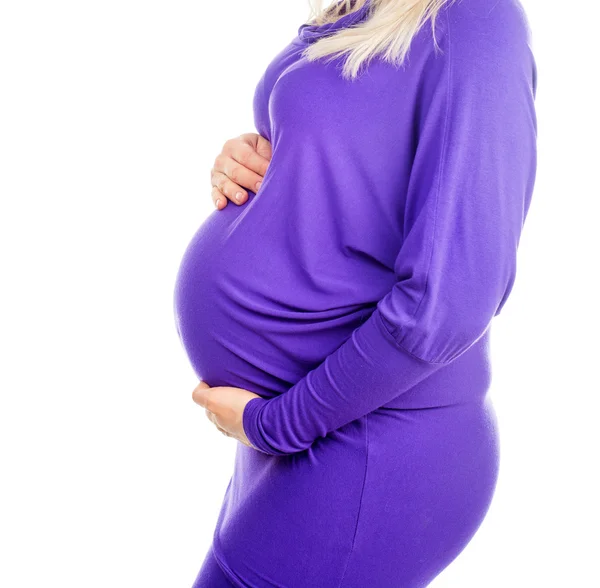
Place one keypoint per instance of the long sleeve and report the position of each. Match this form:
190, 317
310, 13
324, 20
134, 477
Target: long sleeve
468, 195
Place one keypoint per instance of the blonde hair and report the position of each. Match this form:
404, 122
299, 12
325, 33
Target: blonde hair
388, 30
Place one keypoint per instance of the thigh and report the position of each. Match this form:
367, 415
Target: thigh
211, 575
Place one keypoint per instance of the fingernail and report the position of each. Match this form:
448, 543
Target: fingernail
258, 186
217, 202
238, 196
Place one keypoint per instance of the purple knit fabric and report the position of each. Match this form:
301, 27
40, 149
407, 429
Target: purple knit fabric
354, 293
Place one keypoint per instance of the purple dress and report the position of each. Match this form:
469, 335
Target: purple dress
354, 293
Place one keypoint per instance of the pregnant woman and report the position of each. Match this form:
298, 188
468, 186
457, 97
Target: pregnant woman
339, 318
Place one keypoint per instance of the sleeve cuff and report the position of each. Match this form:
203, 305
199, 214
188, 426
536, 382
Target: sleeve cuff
250, 423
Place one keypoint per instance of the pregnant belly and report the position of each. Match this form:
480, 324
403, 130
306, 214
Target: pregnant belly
247, 313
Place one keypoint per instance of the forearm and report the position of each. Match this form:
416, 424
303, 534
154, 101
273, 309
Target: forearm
365, 372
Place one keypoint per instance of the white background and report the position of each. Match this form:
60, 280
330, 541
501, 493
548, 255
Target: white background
111, 116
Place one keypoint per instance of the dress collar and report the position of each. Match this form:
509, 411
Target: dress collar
311, 33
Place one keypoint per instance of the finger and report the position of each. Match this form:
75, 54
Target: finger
212, 418
237, 172
259, 144
228, 188
247, 153
263, 147
218, 198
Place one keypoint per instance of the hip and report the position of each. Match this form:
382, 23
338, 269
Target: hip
380, 489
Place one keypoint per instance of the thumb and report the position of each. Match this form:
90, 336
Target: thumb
200, 395
263, 147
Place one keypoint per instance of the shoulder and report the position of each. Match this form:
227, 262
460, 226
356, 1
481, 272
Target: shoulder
483, 42
481, 26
